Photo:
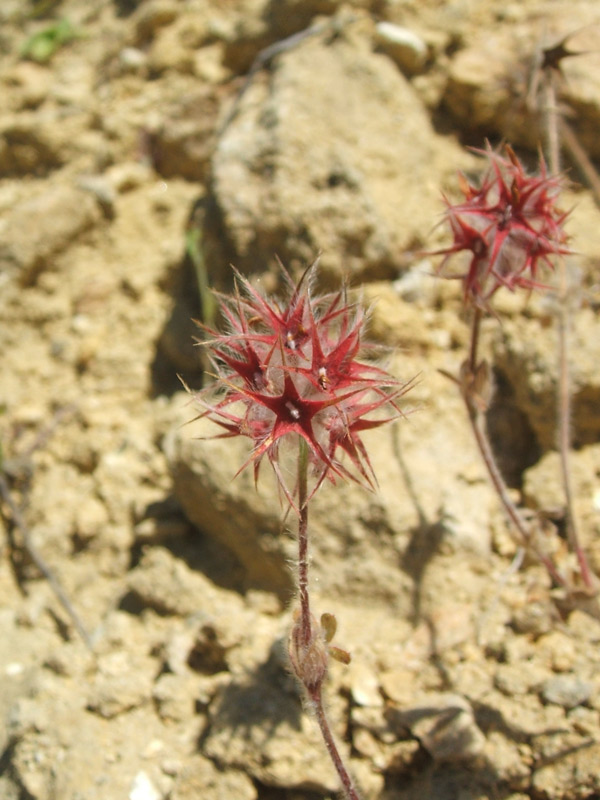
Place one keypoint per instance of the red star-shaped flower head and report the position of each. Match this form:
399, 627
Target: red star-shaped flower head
509, 226
291, 371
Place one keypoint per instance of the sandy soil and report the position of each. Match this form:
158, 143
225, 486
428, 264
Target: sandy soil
126, 130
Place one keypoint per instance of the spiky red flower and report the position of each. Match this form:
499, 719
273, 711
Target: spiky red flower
289, 372
509, 225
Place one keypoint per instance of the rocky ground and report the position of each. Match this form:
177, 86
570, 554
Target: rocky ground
145, 145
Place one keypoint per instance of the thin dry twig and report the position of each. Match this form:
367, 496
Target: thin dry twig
265, 56
10, 469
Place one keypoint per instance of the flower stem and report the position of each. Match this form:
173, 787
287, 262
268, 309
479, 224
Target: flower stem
552, 124
316, 698
475, 328
553, 130
479, 427
303, 542
312, 679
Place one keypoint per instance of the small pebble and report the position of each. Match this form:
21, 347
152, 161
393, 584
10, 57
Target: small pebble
143, 788
567, 691
132, 59
445, 726
402, 45
365, 686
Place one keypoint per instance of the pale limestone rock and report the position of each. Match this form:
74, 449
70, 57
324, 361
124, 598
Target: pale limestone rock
344, 165
200, 778
527, 354
445, 726
38, 230
259, 725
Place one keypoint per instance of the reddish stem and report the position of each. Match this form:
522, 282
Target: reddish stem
479, 429
303, 542
314, 691
553, 129
316, 698
478, 425
475, 328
